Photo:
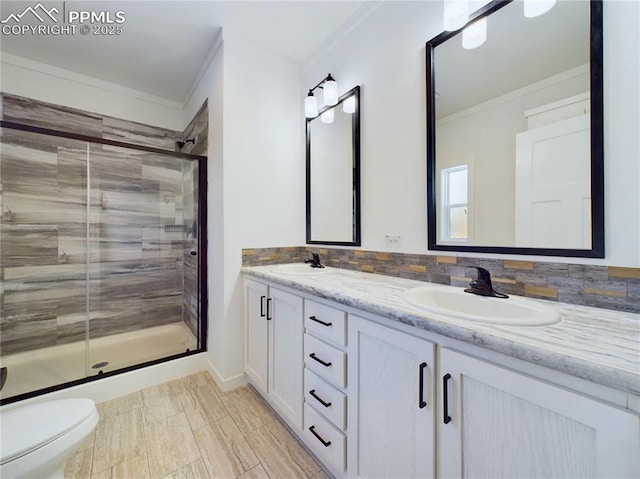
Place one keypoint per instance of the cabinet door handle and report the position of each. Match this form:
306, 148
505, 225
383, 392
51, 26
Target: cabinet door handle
313, 318
262, 306
269, 318
313, 431
445, 398
421, 402
313, 356
319, 399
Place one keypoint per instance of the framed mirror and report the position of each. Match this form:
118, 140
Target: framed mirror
515, 133
333, 173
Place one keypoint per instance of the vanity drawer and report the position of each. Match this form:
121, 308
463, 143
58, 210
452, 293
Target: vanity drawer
324, 439
326, 361
325, 322
326, 399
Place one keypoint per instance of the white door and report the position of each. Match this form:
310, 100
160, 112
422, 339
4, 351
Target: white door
553, 185
256, 343
391, 408
285, 355
496, 423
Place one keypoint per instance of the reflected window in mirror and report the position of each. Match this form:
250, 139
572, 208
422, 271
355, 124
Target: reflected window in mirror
454, 214
333, 173
523, 108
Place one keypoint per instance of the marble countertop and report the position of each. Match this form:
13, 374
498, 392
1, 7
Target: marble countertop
599, 345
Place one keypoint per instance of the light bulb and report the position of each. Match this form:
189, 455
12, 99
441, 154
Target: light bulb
456, 14
310, 106
475, 34
327, 116
535, 8
349, 105
330, 88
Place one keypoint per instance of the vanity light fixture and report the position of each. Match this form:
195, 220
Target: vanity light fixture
349, 105
310, 105
475, 34
327, 116
330, 96
456, 14
535, 8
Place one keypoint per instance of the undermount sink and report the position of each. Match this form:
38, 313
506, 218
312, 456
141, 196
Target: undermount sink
455, 303
298, 268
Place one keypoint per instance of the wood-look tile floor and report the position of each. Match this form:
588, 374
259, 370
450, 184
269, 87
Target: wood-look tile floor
189, 428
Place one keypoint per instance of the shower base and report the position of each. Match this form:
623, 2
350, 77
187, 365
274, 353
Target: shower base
46, 367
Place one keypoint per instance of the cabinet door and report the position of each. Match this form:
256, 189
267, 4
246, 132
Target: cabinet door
255, 350
391, 409
285, 354
500, 423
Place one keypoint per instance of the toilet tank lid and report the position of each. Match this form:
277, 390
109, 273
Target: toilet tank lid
26, 428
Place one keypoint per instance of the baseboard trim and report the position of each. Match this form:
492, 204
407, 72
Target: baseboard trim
229, 383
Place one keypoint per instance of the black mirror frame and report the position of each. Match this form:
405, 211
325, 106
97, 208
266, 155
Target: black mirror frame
597, 146
355, 122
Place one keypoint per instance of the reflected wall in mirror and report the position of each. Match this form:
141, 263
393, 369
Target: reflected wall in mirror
333, 173
515, 134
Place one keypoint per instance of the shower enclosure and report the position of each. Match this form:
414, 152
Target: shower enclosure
102, 258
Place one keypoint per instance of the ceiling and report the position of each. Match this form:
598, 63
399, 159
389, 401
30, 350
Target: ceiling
164, 44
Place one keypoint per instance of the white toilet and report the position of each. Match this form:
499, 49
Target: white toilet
36, 440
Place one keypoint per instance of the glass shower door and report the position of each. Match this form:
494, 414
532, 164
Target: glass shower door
42, 260
99, 258
143, 250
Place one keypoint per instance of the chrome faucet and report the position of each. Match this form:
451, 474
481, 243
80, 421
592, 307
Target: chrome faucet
482, 285
314, 261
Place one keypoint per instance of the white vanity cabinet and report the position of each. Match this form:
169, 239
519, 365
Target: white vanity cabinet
273, 347
325, 383
495, 422
376, 398
391, 402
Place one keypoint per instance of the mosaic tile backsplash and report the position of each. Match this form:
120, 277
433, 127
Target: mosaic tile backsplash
609, 287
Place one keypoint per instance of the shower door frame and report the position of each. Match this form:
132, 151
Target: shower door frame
202, 253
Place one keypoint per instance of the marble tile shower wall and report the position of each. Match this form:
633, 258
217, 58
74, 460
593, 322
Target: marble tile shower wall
135, 264
608, 287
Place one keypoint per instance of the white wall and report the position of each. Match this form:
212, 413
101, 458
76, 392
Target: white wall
385, 54
39, 81
256, 176
622, 131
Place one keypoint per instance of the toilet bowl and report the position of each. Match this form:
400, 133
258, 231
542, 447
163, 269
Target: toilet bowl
36, 440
